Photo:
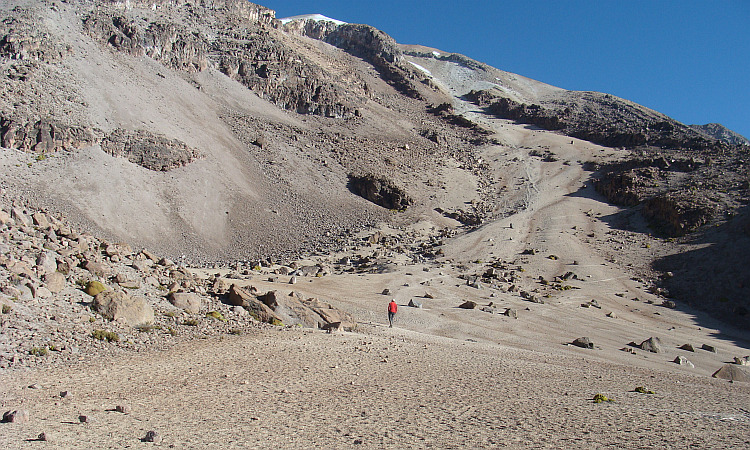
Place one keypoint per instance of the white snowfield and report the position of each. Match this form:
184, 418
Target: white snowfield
317, 17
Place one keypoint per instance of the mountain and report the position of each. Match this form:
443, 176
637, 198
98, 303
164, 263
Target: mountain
722, 133
213, 132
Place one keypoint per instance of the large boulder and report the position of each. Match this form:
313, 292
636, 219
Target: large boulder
121, 307
187, 301
652, 344
239, 296
732, 372
55, 282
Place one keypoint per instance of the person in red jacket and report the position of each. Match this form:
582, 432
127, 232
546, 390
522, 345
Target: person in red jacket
392, 310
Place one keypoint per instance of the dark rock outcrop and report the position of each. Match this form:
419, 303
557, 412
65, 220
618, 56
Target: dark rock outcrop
380, 191
152, 151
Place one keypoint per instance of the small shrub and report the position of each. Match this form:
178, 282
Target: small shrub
216, 315
7, 308
552, 257
170, 314
38, 351
172, 331
642, 390
254, 315
277, 323
235, 331
600, 398
145, 328
190, 322
109, 336
92, 319
94, 287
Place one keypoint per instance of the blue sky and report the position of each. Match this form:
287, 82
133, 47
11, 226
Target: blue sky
688, 59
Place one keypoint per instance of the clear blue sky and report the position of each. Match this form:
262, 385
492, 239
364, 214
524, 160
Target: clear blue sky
689, 59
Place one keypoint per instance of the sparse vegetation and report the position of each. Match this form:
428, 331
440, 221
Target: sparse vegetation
102, 335
601, 398
7, 308
38, 351
642, 390
216, 315
235, 331
145, 328
191, 322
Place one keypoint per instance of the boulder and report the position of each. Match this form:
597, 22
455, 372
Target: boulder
468, 304
187, 301
20, 218
510, 312
46, 263
40, 220
732, 372
687, 347
652, 344
709, 348
241, 297
55, 282
415, 303
583, 342
122, 307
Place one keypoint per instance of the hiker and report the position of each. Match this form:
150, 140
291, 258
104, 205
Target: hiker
392, 309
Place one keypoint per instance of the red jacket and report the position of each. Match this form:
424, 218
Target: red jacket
392, 307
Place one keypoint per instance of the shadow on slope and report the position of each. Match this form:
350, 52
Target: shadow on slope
714, 277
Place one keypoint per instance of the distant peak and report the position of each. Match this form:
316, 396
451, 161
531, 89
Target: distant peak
315, 17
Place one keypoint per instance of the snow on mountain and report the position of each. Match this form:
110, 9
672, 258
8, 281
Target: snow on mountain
316, 17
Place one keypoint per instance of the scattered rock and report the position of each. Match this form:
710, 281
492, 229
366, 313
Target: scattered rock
125, 409
468, 304
743, 361
17, 416
386, 291
152, 436
44, 437
583, 342
415, 303
669, 304
86, 419
652, 344
612, 315
687, 347
709, 348
681, 360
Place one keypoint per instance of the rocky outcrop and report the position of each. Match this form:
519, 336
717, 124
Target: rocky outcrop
173, 45
379, 190
599, 118
45, 136
149, 150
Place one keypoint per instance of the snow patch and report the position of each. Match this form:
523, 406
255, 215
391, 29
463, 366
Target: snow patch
436, 54
315, 17
421, 68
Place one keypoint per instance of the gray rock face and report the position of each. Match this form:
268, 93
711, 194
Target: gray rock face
652, 344
122, 307
187, 301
